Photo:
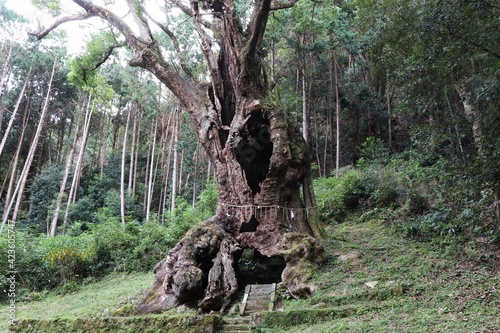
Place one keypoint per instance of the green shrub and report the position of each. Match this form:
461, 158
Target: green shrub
374, 151
329, 199
114, 245
354, 187
388, 189
435, 226
43, 189
416, 203
207, 202
153, 245
69, 257
33, 274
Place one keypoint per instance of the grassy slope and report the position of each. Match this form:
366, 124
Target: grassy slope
92, 300
420, 289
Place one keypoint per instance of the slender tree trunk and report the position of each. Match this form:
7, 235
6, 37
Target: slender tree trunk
165, 125
455, 127
180, 174
103, 145
61, 134
122, 180
14, 113
196, 160
325, 149
163, 149
5, 179
389, 113
146, 173
271, 65
209, 170
151, 172
496, 204
337, 114
331, 121
78, 165
305, 109
132, 149
137, 145
473, 111
19, 190
15, 162
67, 170
166, 166
3, 81
175, 162
317, 147
153, 182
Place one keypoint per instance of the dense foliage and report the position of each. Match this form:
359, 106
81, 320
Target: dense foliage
425, 203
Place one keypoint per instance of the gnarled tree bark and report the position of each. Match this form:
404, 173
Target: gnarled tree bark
266, 202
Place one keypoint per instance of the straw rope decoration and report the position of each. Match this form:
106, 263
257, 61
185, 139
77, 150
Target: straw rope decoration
262, 211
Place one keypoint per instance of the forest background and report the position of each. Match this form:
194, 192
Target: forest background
101, 172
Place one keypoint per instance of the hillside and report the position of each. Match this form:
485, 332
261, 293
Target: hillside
374, 281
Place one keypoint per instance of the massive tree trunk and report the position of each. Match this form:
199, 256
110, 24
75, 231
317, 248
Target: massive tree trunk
265, 202
262, 164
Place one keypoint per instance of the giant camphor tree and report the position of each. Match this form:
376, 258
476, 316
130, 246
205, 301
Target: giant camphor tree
265, 200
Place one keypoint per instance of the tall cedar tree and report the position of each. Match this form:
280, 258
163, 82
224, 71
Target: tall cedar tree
265, 202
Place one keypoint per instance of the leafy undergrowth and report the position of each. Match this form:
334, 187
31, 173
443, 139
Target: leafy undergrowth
376, 281
98, 299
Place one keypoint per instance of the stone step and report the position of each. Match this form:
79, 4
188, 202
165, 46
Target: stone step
258, 302
237, 320
236, 325
260, 307
258, 298
260, 292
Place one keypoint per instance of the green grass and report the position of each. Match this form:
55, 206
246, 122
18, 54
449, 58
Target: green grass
91, 300
420, 288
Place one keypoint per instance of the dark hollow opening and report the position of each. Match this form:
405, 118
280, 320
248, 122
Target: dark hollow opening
255, 268
254, 151
205, 263
250, 226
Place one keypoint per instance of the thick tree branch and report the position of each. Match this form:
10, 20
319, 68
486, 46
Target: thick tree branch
148, 56
190, 11
277, 5
257, 25
139, 19
251, 62
206, 48
175, 42
113, 19
42, 33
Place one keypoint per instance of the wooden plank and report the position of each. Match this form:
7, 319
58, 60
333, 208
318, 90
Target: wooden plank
273, 297
245, 299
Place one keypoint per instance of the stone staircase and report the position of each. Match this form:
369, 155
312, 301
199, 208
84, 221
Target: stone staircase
258, 298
